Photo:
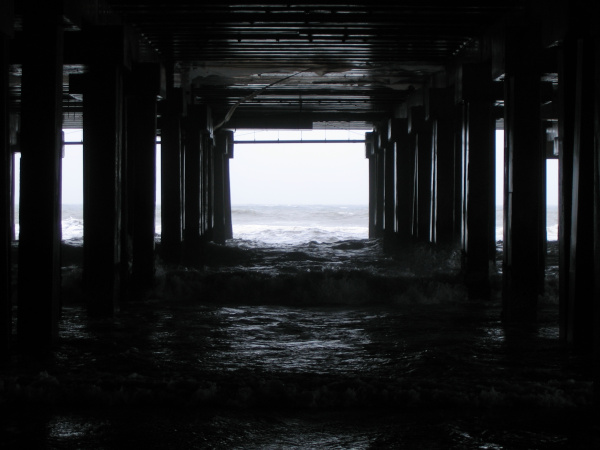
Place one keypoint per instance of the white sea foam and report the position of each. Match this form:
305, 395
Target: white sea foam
289, 224
292, 234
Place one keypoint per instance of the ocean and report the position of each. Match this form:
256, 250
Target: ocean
302, 333
289, 224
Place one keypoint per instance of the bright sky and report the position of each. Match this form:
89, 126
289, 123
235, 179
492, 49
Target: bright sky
289, 173
551, 174
72, 187
293, 174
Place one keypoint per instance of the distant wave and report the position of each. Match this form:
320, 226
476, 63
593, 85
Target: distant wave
298, 234
289, 224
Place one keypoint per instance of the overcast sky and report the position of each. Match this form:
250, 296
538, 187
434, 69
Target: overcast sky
289, 173
293, 174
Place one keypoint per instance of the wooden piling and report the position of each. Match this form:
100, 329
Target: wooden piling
524, 159
371, 156
389, 156
219, 186
442, 142
380, 186
596, 302
227, 187
567, 58
6, 224
193, 176
41, 145
103, 117
404, 184
172, 176
141, 140
421, 133
459, 166
577, 193
424, 183
478, 129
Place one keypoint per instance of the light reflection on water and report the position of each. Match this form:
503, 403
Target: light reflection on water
294, 339
307, 329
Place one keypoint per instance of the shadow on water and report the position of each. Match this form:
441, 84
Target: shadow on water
302, 346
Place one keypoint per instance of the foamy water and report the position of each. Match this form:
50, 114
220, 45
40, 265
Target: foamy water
551, 223
288, 328
289, 224
300, 224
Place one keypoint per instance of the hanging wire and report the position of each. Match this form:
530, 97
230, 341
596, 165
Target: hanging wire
251, 96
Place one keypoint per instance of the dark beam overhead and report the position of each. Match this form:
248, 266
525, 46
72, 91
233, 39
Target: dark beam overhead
363, 58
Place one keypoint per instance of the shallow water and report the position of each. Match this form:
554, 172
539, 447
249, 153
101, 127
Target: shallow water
315, 345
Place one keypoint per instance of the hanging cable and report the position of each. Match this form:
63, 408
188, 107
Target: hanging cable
251, 96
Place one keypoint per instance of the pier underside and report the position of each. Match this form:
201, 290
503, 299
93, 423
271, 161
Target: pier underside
430, 333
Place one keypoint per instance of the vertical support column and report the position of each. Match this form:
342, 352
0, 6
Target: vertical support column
577, 192
433, 177
193, 172
415, 118
13, 171
424, 149
389, 157
370, 154
219, 186
102, 172
227, 187
127, 199
442, 142
524, 160
596, 306
141, 139
478, 150
207, 187
567, 71
171, 176
422, 175
206, 164
41, 145
6, 225
459, 176
380, 187
404, 176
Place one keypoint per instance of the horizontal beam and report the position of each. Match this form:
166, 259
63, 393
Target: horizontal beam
280, 141
304, 141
